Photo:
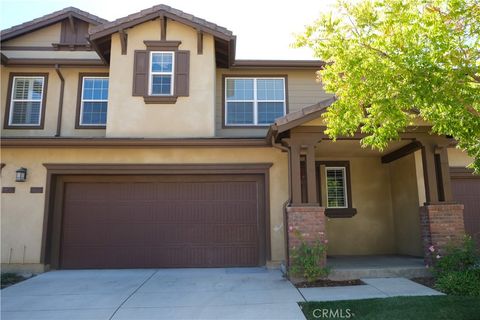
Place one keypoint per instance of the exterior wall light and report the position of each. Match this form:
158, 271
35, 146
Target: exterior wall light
21, 175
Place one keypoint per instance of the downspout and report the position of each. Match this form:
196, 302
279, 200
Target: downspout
60, 102
285, 205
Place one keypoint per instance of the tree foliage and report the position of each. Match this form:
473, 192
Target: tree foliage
391, 61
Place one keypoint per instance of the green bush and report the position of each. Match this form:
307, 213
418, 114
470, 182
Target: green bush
457, 272
460, 283
457, 258
307, 260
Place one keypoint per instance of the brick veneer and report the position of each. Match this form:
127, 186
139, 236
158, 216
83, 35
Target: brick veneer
309, 221
440, 224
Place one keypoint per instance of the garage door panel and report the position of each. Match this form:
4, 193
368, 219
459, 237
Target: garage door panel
466, 190
173, 221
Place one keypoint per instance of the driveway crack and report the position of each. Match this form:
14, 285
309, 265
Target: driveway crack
134, 291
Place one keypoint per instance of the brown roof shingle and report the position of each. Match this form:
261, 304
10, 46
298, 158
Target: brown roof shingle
49, 19
156, 11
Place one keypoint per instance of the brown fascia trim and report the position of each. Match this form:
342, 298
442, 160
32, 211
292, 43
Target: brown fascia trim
132, 142
4, 59
137, 168
53, 62
54, 47
293, 64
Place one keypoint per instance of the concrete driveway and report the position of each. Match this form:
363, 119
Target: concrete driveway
233, 293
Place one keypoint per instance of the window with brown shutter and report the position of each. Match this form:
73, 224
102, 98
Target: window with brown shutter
161, 73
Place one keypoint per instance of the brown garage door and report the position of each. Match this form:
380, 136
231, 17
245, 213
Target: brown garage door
466, 190
163, 221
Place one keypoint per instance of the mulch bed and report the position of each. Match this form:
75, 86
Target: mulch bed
426, 281
8, 279
329, 283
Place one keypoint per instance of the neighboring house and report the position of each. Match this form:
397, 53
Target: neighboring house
145, 143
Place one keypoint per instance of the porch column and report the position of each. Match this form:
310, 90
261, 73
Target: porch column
296, 178
312, 193
441, 218
305, 219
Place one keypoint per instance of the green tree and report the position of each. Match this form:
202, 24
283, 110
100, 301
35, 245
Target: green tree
389, 61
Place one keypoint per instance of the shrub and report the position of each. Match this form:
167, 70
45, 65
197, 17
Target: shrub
461, 283
307, 260
457, 272
457, 257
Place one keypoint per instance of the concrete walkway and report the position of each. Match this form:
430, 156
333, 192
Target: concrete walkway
236, 293
373, 288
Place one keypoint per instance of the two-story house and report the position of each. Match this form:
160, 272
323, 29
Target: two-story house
143, 142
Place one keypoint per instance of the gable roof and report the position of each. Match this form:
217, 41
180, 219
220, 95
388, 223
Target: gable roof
155, 12
49, 19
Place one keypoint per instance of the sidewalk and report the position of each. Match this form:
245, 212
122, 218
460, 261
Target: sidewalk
373, 288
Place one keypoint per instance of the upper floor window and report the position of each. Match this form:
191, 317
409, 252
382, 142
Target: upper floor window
254, 101
94, 101
161, 73
336, 187
26, 101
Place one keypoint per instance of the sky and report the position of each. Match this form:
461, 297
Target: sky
264, 28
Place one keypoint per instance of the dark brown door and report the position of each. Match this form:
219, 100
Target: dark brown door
163, 221
466, 190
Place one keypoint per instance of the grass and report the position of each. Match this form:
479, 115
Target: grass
397, 308
8, 278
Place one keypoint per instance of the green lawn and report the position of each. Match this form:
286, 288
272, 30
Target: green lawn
417, 308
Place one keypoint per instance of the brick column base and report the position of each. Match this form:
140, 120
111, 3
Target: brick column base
309, 222
440, 225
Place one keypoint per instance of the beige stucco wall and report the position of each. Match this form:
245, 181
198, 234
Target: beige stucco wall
371, 230
43, 37
191, 116
405, 206
303, 90
458, 158
71, 76
22, 212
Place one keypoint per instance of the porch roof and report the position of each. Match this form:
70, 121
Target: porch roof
300, 117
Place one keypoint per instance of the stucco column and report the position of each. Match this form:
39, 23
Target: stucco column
440, 225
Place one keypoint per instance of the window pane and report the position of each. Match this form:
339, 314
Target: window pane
239, 89
25, 112
269, 111
239, 112
162, 62
161, 84
94, 113
336, 197
28, 89
95, 89
270, 89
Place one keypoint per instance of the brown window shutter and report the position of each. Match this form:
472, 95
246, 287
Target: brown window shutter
182, 71
140, 73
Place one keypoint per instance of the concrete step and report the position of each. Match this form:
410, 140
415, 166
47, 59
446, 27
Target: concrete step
339, 274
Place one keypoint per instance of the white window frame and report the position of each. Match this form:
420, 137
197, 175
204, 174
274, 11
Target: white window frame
153, 73
91, 100
13, 100
255, 101
344, 170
